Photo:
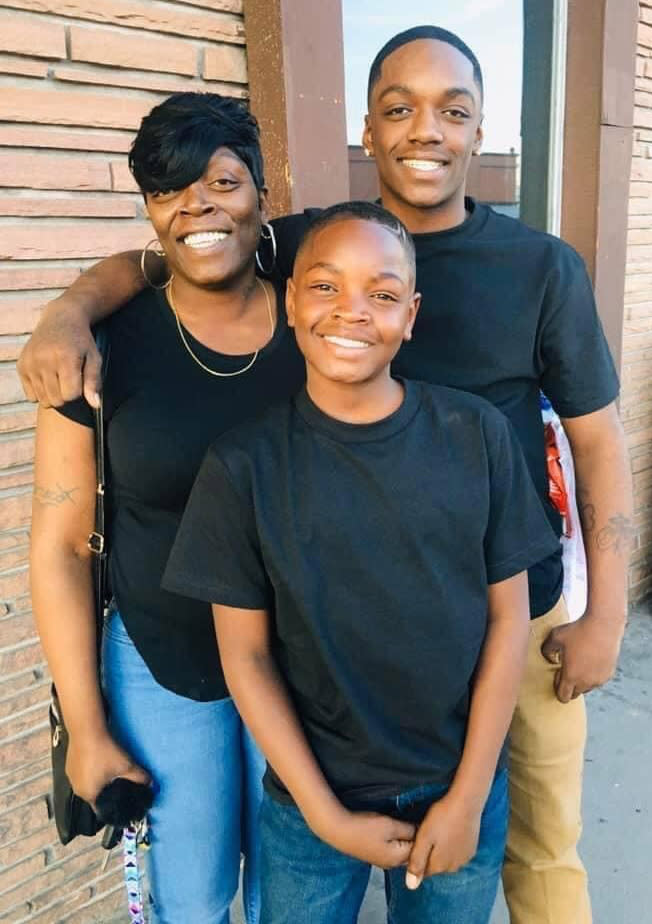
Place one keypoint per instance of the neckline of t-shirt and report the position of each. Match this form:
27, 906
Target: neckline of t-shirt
344, 432
235, 359
477, 215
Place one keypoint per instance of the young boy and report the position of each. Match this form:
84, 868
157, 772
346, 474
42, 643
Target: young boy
364, 545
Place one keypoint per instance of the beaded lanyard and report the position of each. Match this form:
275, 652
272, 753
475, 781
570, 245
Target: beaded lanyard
134, 836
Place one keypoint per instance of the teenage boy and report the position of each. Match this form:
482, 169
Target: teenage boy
506, 310
364, 546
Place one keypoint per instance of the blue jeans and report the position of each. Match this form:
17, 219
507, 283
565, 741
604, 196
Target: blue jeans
304, 881
207, 775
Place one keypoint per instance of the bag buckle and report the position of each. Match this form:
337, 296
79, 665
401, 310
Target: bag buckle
95, 543
142, 834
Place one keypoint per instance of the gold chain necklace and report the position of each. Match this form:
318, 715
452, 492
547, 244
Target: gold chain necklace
222, 375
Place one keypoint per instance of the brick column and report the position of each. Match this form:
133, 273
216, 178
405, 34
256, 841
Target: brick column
296, 78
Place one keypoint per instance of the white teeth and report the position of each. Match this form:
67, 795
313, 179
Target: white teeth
425, 165
204, 238
348, 344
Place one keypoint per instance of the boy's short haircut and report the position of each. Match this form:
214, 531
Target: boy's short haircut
423, 32
363, 211
177, 138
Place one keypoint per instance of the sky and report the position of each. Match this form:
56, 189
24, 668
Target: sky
492, 28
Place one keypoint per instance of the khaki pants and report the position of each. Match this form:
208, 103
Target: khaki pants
543, 876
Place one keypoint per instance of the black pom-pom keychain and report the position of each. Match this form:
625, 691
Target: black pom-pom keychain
123, 802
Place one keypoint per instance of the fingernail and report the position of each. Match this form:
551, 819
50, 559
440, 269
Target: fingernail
95, 399
412, 881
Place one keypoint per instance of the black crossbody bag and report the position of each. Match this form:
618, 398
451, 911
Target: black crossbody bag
72, 815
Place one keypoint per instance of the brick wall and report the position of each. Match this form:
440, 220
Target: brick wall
76, 76
636, 403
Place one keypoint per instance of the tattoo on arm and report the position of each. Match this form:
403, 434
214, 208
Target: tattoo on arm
587, 516
585, 509
54, 497
616, 535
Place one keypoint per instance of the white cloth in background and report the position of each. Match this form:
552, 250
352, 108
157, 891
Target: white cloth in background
573, 554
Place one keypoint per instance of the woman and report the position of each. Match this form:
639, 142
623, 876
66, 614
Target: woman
186, 363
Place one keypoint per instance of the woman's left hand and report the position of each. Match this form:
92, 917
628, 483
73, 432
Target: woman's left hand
95, 760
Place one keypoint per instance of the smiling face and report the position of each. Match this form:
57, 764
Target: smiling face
210, 229
351, 301
424, 123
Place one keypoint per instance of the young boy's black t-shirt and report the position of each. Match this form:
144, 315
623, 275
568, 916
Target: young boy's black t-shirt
371, 546
505, 311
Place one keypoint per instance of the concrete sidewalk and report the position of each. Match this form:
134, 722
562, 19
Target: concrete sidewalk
617, 841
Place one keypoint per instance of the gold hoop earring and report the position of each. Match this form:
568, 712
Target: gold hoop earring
367, 152
160, 253
270, 236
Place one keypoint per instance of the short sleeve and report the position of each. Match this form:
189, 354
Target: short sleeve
518, 534
577, 370
216, 554
78, 410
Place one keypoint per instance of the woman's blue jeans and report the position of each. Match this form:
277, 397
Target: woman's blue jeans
207, 775
305, 881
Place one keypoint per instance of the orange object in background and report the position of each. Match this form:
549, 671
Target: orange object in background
556, 481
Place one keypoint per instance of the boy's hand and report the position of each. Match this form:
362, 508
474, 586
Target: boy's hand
60, 361
447, 838
372, 838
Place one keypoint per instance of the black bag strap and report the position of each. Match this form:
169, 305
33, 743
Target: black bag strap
97, 539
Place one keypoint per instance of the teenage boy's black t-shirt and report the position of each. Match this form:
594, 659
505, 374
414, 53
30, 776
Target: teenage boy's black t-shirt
162, 412
371, 546
505, 311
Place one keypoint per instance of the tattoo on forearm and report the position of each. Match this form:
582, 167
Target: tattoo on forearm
585, 508
54, 497
587, 515
616, 535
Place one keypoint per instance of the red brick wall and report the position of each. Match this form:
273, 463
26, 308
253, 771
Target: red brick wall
636, 403
76, 76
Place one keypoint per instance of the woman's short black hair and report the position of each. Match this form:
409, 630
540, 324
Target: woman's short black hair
423, 32
178, 137
363, 211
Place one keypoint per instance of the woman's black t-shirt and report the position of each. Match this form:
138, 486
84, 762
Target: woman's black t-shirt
162, 412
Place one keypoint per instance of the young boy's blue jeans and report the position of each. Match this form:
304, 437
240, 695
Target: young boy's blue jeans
304, 881
207, 774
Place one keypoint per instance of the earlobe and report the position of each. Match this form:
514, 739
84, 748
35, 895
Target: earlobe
289, 302
263, 204
415, 301
367, 139
414, 307
479, 137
